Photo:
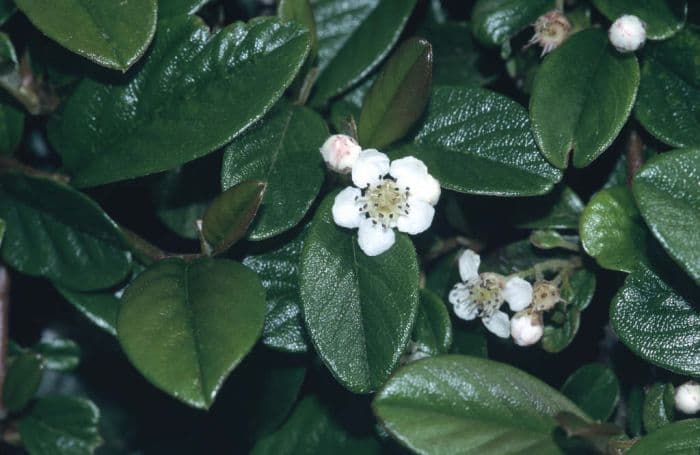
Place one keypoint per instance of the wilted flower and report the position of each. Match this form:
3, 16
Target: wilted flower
551, 30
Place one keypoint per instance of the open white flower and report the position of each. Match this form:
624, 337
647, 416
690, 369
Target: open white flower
387, 195
340, 153
483, 295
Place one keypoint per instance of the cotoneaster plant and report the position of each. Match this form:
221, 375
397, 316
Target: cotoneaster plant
350, 226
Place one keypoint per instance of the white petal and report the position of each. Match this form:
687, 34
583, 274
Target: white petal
420, 216
461, 302
408, 167
346, 213
498, 324
411, 173
373, 238
371, 165
518, 293
469, 263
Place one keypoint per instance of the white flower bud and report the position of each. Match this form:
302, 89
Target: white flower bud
627, 33
544, 296
340, 153
526, 328
688, 397
551, 30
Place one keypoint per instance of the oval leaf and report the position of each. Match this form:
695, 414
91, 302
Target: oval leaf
398, 96
454, 404
663, 18
659, 406
59, 233
112, 34
22, 381
565, 106
432, 332
173, 8
359, 310
11, 127
57, 353
595, 388
300, 12
681, 438
195, 93
495, 21
206, 316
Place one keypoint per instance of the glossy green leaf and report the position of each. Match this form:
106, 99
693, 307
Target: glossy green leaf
173, 8
398, 96
432, 332
612, 230
663, 18
566, 109
495, 21
227, 219
11, 127
279, 272
354, 37
558, 210
22, 381
476, 141
300, 11
657, 323
359, 310
59, 233
658, 409
100, 307
195, 93
669, 93
112, 34
667, 193
61, 425
550, 239
679, 438
58, 353
206, 314
595, 389
456, 404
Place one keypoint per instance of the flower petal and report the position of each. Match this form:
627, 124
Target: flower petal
408, 167
411, 173
518, 293
462, 304
469, 263
369, 168
498, 324
420, 216
373, 238
345, 211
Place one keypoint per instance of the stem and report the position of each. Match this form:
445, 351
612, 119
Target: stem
7, 163
148, 253
635, 157
4, 325
551, 265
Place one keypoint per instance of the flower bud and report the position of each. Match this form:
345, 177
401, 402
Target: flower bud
340, 153
526, 328
551, 30
544, 296
627, 33
688, 397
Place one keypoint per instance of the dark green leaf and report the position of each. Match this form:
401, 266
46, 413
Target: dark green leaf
300, 12
469, 340
354, 36
563, 322
57, 353
595, 389
432, 332
61, 425
22, 381
455, 404
112, 34
100, 307
582, 108
11, 127
558, 210
284, 152
398, 96
57, 232
679, 438
658, 410
663, 18
173, 8
668, 195
476, 141
7, 9
359, 310
206, 316
495, 21
657, 323
195, 93
549, 240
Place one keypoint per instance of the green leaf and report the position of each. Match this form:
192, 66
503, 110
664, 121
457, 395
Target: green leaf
61, 425
663, 18
174, 8
496, 21
100, 307
227, 218
667, 193
279, 272
657, 323
195, 93
300, 12
582, 108
455, 404
679, 438
59, 233
206, 314
432, 331
562, 324
359, 310
22, 381
354, 37
398, 96
595, 389
7, 9
558, 210
550, 240
658, 410
11, 127
58, 353
469, 340
612, 230
476, 141
112, 34
312, 429
669, 93
284, 152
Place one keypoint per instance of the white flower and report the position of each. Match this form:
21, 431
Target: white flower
526, 328
483, 295
400, 194
688, 397
627, 33
551, 30
340, 153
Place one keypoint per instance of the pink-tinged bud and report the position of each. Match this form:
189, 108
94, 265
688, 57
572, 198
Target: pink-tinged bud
688, 397
526, 328
627, 33
340, 153
551, 30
